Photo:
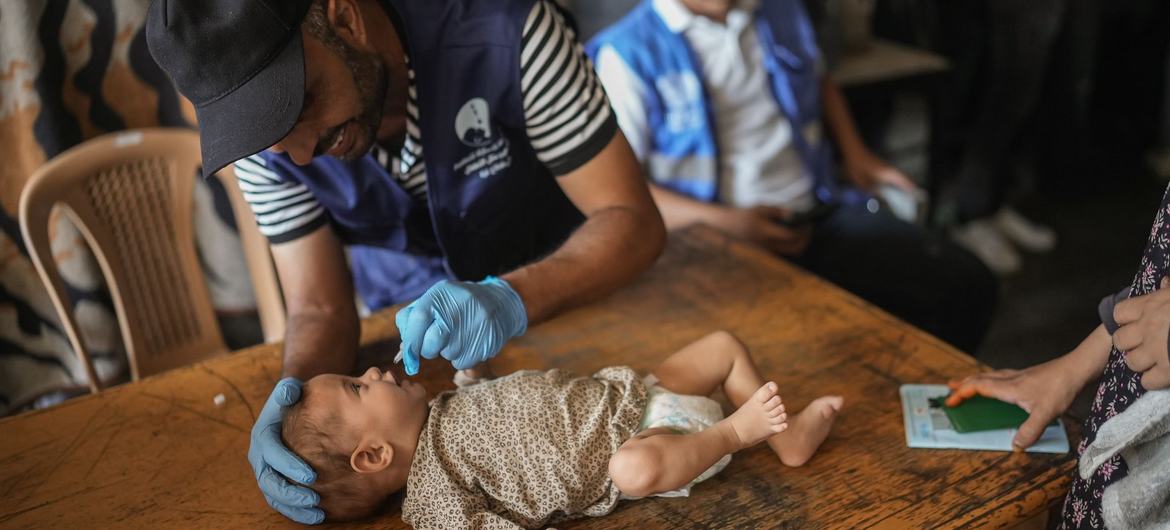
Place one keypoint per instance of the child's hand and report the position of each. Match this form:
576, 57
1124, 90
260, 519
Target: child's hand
1143, 334
1045, 391
763, 225
867, 171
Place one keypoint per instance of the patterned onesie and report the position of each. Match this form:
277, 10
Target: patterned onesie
522, 451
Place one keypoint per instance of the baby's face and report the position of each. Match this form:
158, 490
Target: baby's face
375, 403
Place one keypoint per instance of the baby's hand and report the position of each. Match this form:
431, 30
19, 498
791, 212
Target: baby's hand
474, 375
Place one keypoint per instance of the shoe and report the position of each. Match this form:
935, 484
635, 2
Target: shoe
1025, 234
988, 244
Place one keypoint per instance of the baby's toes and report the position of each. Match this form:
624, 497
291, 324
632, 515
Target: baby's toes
779, 427
766, 392
773, 404
777, 419
776, 411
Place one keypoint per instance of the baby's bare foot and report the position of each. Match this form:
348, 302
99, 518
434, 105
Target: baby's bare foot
761, 416
807, 430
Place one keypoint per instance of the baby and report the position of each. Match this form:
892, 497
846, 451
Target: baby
537, 447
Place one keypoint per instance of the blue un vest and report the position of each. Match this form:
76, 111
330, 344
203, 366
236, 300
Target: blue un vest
683, 152
492, 205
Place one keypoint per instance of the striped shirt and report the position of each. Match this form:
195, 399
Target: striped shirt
566, 113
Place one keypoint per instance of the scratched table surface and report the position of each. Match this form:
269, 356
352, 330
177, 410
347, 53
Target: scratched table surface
161, 454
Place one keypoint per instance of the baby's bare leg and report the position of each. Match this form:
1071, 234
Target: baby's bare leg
721, 359
701, 367
657, 460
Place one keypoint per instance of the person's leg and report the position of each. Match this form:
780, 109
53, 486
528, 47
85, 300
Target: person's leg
701, 367
918, 276
1021, 35
657, 460
722, 360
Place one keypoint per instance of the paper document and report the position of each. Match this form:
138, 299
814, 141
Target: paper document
927, 426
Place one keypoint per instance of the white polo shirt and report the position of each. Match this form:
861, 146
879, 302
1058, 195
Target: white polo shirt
758, 162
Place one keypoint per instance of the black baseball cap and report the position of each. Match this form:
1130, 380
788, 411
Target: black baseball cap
240, 62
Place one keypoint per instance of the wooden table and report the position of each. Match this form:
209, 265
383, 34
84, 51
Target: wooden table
160, 453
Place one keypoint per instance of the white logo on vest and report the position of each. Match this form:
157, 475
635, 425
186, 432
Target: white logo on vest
682, 95
473, 123
491, 155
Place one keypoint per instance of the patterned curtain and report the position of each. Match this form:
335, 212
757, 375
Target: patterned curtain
71, 70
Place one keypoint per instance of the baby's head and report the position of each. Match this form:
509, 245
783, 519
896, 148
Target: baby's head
359, 434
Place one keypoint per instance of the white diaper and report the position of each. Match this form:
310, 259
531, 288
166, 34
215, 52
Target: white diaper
682, 414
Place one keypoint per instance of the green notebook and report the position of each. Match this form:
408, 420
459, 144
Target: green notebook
981, 413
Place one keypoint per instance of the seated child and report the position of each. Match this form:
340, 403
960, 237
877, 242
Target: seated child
538, 447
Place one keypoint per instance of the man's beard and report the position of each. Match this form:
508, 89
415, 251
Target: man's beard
370, 80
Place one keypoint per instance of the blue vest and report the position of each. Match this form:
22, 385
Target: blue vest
492, 205
683, 152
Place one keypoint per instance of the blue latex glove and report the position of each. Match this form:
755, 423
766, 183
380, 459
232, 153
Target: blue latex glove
272, 461
467, 323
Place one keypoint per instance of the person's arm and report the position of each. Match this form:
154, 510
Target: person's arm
323, 326
573, 132
1046, 390
468, 323
760, 225
1087, 361
317, 340
622, 236
863, 168
678, 210
321, 337
840, 121
322, 330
